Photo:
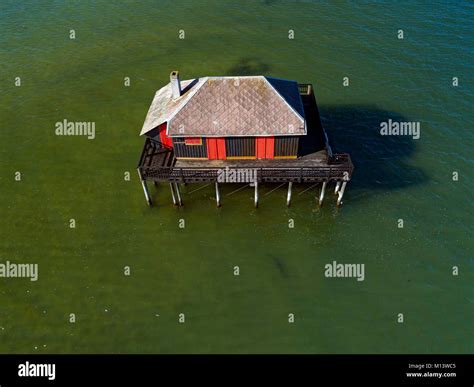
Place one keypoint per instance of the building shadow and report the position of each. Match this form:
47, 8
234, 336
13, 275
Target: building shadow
381, 162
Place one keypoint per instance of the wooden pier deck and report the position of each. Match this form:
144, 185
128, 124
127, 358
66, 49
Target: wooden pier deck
159, 164
316, 164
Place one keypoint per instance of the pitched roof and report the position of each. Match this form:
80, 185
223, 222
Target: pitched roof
229, 106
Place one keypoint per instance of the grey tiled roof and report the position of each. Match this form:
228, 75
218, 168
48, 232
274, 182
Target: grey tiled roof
229, 106
163, 106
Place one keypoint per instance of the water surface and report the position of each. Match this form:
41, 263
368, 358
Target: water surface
190, 270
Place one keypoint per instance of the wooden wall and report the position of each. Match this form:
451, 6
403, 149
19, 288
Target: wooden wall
213, 148
240, 147
189, 151
286, 146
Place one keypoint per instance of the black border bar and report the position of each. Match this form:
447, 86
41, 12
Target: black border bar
138, 370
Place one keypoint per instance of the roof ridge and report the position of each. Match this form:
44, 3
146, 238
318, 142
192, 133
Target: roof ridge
284, 99
192, 93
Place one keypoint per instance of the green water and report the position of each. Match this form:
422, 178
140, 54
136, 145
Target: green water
190, 270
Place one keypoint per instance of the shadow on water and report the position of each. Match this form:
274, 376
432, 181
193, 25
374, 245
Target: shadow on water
381, 162
249, 66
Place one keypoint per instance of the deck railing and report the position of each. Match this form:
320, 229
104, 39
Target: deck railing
339, 168
151, 150
304, 88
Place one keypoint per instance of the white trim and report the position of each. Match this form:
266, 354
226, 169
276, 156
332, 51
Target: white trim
202, 81
284, 100
164, 89
195, 89
236, 135
191, 94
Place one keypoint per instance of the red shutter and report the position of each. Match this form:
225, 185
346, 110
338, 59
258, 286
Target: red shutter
265, 147
260, 147
221, 148
211, 148
165, 140
269, 147
216, 148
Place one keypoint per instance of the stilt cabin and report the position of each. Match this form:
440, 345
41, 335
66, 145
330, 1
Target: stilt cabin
195, 128
235, 118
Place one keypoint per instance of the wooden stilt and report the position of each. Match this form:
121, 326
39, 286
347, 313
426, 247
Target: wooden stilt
147, 194
256, 194
338, 186
145, 188
218, 195
341, 194
172, 194
178, 194
321, 195
288, 196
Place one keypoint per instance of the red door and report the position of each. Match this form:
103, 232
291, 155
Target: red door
216, 148
221, 148
260, 147
265, 147
164, 139
269, 147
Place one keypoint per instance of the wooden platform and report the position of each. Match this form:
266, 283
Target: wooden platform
158, 163
314, 159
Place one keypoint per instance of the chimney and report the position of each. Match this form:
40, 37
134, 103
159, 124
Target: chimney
175, 84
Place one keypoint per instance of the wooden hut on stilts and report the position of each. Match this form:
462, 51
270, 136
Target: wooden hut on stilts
249, 129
